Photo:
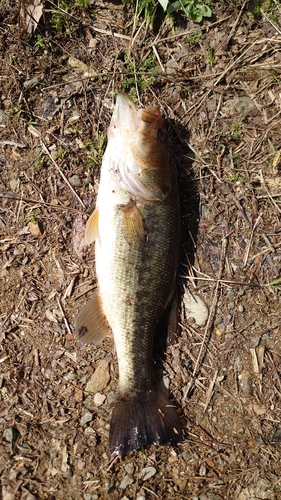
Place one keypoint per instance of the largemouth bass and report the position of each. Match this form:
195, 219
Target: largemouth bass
136, 230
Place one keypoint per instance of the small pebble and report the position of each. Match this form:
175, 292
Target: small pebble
14, 184
141, 495
87, 417
7, 494
111, 397
68, 473
246, 383
230, 294
75, 181
277, 435
99, 398
202, 470
100, 378
240, 308
129, 468
147, 473
29, 84
126, 482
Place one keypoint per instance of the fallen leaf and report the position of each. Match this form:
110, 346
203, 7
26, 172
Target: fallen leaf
35, 229
50, 316
30, 15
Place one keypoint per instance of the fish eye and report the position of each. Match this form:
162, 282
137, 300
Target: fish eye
162, 135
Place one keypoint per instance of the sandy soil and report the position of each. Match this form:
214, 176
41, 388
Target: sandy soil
218, 85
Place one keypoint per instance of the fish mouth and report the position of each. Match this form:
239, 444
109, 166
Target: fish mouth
128, 120
125, 117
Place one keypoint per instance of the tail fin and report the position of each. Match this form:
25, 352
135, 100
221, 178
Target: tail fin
136, 423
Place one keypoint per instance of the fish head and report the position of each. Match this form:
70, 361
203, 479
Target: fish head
145, 170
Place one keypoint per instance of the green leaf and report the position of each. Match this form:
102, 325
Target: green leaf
275, 282
206, 11
164, 4
173, 7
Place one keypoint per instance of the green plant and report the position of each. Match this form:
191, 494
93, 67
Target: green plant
76, 130
41, 42
102, 79
194, 37
140, 76
147, 8
236, 178
16, 110
61, 153
211, 54
267, 6
235, 132
33, 215
64, 9
275, 282
185, 91
96, 150
38, 164
85, 4
195, 9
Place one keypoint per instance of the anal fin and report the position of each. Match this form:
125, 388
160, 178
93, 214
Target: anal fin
91, 325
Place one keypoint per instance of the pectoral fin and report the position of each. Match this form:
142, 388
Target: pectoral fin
133, 224
91, 325
92, 227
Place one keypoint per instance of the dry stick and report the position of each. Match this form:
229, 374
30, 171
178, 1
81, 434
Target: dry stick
210, 320
229, 282
158, 58
130, 73
265, 250
210, 391
12, 143
112, 462
30, 200
189, 32
213, 121
204, 163
270, 22
232, 64
110, 33
150, 491
245, 260
63, 315
62, 174
236, 22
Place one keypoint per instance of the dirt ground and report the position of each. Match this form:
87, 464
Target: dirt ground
218, 85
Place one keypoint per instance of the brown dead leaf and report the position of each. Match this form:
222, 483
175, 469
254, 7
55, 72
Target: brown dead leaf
30, 14
50, 316
35, 229
77, 65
